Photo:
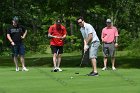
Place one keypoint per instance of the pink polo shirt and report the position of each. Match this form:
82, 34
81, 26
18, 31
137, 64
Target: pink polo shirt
109, 34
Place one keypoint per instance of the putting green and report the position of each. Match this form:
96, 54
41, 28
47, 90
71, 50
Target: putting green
42, 80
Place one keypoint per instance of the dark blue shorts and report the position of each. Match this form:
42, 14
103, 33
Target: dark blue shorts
57, 49
18, 49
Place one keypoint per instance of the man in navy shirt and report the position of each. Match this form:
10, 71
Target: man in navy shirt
15, 35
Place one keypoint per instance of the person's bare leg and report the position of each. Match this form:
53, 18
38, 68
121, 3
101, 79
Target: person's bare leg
58, 60
113, 63
105, 64
55, 60
16, 62
22, 61
94, 65
105, 61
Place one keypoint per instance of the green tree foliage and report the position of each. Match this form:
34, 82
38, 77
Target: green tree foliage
125, 39
72, 43
135, 48
38, 15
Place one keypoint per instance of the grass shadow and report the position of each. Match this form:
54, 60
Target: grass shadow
73, 61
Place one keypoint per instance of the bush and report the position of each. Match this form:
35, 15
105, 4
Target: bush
135, 48
72, 43
36, 42
125, 39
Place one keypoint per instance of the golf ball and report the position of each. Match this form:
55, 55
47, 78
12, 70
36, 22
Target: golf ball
71, 77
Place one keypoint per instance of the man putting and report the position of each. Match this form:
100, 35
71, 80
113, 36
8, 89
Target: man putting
91, 42
57, 34
110, 42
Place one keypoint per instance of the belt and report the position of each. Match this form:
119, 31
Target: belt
109, 42
95, 41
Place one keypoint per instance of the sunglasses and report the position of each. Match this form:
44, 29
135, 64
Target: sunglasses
79, 22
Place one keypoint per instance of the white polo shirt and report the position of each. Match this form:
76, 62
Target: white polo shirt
88, 29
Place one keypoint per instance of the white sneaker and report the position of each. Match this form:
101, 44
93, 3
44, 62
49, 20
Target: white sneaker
113, 68
25, 69
59, 69
104, 68
17, 69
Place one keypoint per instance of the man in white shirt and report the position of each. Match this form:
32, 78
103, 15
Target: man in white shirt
91, 42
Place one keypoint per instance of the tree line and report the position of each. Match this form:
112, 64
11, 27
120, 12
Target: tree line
38, 15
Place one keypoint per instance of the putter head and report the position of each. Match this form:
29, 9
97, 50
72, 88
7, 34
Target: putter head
76, 72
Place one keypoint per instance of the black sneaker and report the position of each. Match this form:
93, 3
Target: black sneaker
93, 74
90, 73
54, 70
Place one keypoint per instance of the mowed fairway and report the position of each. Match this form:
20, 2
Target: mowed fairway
42, 80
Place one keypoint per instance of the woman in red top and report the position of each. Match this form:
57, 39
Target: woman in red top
57, 34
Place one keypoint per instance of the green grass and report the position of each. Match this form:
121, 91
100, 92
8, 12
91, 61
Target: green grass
41, 80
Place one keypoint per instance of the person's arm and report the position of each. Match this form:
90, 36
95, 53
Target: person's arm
50, 31
10, 39
63, 37
64, 34
116, 38
116, 41
24, 35
89, 39
102, 36
51, 36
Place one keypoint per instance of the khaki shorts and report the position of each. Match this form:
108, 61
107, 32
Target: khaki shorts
94, 49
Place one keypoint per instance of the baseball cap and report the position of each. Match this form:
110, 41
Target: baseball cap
58, 21
108, 20
15, 18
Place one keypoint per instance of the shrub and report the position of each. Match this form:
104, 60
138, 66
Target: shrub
72, 43
125, 39
135, 48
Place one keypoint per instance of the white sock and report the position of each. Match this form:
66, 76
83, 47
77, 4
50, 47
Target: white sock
95, 71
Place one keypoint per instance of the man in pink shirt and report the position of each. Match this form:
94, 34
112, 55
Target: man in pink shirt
109, 38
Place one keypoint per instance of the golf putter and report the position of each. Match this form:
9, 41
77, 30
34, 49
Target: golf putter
81, 62
82, 59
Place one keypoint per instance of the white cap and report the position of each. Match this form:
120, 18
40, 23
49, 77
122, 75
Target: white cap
108, 20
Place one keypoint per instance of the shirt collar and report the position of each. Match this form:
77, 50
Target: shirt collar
84, 25
109, 27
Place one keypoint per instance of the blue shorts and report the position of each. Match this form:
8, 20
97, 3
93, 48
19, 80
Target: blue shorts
18, 49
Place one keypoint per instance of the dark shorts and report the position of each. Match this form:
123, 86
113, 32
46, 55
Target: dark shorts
57, 49
108, 49
18, 50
